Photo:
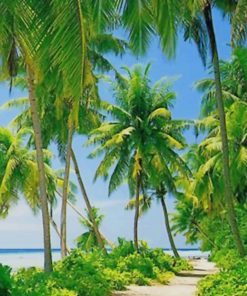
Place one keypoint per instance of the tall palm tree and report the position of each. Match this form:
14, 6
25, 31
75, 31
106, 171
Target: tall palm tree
15, 43
143, 17
211, 148
88, 119
138, 140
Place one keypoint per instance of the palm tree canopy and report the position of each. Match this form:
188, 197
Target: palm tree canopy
141, 130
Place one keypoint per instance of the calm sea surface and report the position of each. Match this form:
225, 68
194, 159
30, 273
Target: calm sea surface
17, 258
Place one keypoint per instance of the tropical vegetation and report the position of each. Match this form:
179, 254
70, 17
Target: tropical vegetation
57, 52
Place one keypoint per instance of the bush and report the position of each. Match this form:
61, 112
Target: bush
79, 274
116, 279
164, 277
137, 278
137, 262
34, 282
93, 273
226, 259
5, 280
228, 282
83, 274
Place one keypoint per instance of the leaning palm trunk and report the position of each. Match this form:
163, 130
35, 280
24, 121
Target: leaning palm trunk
88, 204
55, 227
41, 168
202, 232
225, 150
63, 231
168, 228
76, 210
137, 211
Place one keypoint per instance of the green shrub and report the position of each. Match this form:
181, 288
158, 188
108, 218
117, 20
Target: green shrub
160, 259
5, 280
123, 249
231, 282
137, 278
79, 274
117, 280
181, 264
164, 277
34, 282
94, 273
83, 274
137, 262
226, 258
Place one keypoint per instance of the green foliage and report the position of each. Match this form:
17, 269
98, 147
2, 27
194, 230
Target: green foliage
123, 249
142, 112
93, 273
88, 241
137, 262
117, 280
230, 282
143, 267
83, 274
5, 280
164, 277
79, 274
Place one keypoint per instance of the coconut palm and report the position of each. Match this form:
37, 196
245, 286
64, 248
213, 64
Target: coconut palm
38, 35
70, 111
188, 219
15, 43
142, 18
19, 171
200, 199
211, 147
88, 240
51, 129
138, 140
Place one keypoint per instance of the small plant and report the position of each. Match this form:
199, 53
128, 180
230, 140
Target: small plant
5, 280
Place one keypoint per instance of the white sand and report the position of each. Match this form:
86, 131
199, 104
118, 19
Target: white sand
182, 285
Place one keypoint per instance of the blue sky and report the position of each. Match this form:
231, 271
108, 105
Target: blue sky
21, 229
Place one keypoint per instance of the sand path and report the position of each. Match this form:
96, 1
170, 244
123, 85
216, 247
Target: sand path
183, 284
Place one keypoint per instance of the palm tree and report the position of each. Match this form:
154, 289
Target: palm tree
142, 18
15, 37
89, 119
19, 171
88, 240
211, 147
161, 193
28, 42
188, 220
139, 139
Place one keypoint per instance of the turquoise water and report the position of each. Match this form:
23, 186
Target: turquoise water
17, 258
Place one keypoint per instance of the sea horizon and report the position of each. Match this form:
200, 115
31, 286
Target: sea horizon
33, 257
38, 250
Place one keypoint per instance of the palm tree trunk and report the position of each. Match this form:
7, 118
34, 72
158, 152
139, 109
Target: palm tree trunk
88, 204
225, 150
202, 232
76, 210
137, 211
168, 228
55, 227
63, 231
41, 168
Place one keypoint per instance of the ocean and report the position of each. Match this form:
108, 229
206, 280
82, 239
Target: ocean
17, 258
